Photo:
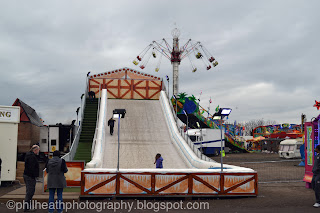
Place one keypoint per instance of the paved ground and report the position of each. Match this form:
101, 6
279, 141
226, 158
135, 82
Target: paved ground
136, 130
270, 166
273, 197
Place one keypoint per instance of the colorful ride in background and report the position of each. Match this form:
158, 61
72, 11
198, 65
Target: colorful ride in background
268, 136
262, 135
182, 104
285, 130
233, 132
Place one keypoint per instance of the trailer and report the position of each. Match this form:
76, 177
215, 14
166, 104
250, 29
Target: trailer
9, 120
290, 148
56, 137
207, 140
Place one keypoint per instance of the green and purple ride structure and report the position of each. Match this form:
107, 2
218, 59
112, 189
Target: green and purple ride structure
182, 103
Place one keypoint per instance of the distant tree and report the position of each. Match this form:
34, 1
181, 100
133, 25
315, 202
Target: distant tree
252, 124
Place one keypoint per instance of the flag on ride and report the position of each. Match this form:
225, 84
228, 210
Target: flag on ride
210, 101
217, 108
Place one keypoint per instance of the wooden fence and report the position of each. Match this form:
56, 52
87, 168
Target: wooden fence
168, 183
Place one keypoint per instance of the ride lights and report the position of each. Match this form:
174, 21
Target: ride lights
221, 113
119, 113
226, 111
216, 117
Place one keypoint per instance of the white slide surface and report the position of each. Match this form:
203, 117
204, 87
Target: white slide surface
143, 134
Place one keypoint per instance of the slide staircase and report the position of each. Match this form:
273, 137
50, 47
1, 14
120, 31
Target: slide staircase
88, 130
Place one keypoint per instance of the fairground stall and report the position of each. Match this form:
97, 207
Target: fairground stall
311, 141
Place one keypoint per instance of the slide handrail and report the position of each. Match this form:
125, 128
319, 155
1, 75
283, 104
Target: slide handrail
73, 149
100, 134
97, 122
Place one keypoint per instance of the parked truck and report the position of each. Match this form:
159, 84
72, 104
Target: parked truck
56, 137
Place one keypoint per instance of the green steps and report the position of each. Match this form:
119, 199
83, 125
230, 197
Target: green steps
88, 130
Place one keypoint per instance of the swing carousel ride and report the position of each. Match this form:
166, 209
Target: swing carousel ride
175, 55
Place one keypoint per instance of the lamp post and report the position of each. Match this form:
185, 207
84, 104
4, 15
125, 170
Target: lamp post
223, 112
168, 86
119, 113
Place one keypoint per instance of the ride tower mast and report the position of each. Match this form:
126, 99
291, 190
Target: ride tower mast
175, 60
175, 54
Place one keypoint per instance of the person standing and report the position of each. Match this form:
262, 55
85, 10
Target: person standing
56, 167
158, 161
92, 95
31, 172
315, 183
111, 124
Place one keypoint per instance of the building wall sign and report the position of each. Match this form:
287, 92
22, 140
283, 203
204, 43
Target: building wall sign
9, 114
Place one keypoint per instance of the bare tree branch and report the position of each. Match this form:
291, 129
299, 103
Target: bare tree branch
250, 125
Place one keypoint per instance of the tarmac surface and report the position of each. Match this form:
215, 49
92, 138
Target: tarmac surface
275, 197
141, 138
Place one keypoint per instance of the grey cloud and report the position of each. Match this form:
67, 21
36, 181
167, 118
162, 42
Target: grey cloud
46, 49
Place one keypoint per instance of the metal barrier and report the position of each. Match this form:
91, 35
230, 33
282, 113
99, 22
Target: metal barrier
277, 171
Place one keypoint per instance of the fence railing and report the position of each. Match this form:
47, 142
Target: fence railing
277, 171
97, 123
172, 182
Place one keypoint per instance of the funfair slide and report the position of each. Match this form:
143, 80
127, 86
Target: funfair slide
147, 129
143, 134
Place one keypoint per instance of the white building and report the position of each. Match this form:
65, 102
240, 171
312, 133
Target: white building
9, 120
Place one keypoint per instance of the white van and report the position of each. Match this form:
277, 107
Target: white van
290, 148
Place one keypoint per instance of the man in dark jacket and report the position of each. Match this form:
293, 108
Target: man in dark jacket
56, 167
31, 172
111, 124
316, 177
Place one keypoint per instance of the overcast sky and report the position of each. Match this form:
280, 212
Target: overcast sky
267, 52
